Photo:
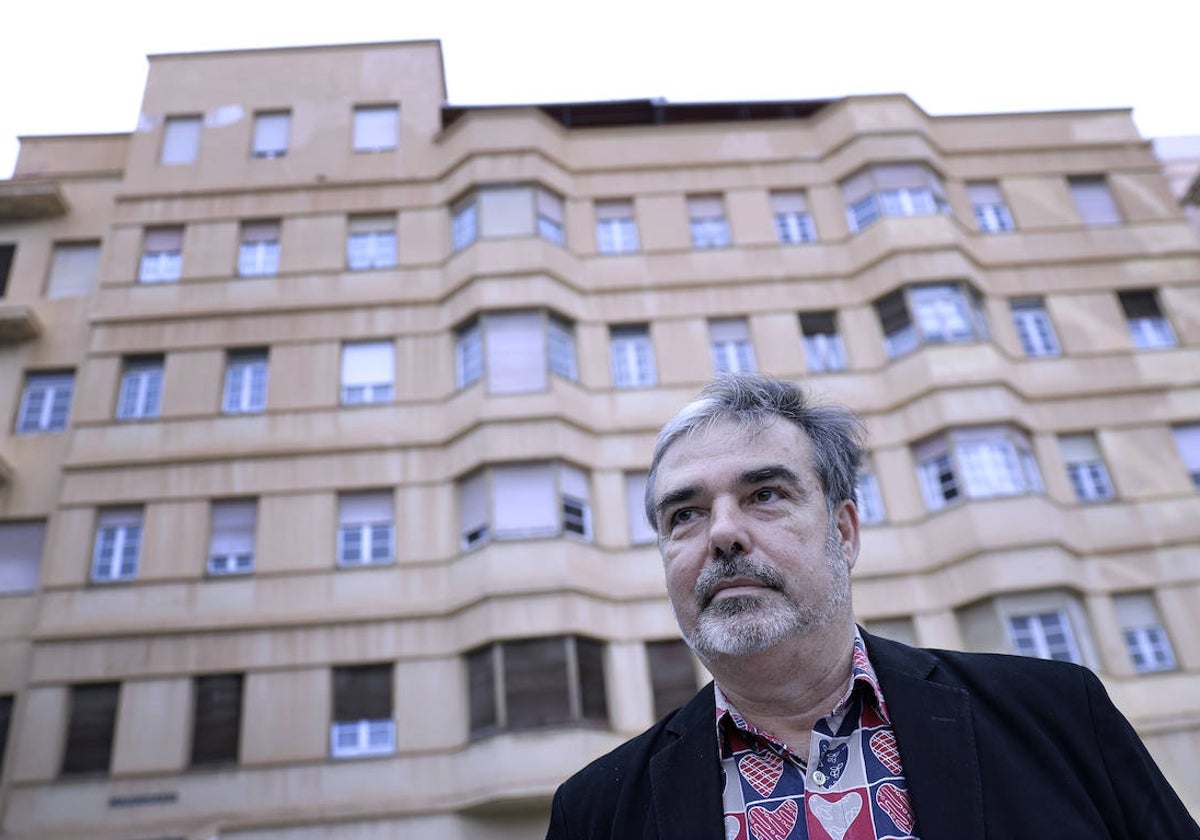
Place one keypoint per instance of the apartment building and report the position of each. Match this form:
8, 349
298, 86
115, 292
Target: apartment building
328, 408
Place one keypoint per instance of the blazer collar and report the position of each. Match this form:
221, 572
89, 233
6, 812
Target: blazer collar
936, 738
685, 775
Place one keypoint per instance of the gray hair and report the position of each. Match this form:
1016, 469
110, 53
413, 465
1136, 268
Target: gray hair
835, 432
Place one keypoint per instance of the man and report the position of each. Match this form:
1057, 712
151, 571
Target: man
814, 728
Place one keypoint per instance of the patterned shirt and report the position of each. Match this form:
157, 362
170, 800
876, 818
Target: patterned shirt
855, 789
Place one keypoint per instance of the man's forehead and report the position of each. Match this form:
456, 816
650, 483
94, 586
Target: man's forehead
775, 438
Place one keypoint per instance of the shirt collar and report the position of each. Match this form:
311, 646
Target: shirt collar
862, 679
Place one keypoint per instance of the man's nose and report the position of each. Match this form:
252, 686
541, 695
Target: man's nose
727, 533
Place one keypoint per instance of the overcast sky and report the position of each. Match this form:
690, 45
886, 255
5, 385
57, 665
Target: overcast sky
78, 66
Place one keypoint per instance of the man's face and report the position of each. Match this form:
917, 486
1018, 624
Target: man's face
751, 554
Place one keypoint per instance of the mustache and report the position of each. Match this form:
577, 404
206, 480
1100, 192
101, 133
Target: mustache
735, 565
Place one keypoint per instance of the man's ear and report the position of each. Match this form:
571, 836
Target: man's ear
847, 526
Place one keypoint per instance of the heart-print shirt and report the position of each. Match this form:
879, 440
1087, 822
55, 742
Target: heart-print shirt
850, 786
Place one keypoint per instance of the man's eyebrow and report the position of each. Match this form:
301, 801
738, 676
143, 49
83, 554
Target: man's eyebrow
768, 473
667, 500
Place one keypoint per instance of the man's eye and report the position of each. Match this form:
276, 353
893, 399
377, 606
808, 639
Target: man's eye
765, 494
681, 516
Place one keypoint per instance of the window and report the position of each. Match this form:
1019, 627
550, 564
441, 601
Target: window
362, 712
464, 223
632, 357
7, 254
181, 140
1148, 328
1145, 639
371, 242
823, 348
730, 345
216, 719
365, 529
706, 219
140, 396
1187, 441
524, 501
1034, 327
376, 128
258, 253
245, 389
45, 402
90, 725
73, 269
118, 544
271, 130
1094, 200
501, 212
162, 255
1085, 467
616, 228
640, 531
892, 189
515, 351
942, 313
231, 541
1045, 635
534, 683
868, 498
21, 546
991, 213
6, 707
672, 674
368, 371
976, 463
793, 223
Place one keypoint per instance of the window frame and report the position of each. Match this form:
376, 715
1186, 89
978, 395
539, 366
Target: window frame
363, 130
250, 398
1034, 327
144, 375
946, 476
989, 208
355, 735
374, 392
369, 534
473, 351
184, 131
616, 227
824, 348
569, 492
101, 719
729, 352
880, 199
210, 710
119, 527
1036, 637
1149, 327
225, 563
910, 321
631, 356
161, 258
45, 405
709, 225
268, 141
794, 223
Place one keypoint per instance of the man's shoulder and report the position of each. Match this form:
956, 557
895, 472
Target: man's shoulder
632, 758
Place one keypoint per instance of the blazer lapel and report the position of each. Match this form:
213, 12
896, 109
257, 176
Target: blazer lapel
936, 738
685, 776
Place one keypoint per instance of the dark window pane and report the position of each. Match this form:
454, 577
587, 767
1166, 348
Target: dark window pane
672, 674
593, 701
893, 312
481, 687
818, 323
362, 692
1139, 304
93, 718
6, 705
6, 261
216, 725
535, 683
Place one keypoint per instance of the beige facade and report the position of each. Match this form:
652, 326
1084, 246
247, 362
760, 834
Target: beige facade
318, 386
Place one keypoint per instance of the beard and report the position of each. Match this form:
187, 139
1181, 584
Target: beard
739, 625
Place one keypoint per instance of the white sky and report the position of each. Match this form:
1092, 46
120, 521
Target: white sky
78, 66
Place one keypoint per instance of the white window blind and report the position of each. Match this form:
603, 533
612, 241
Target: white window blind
231, 542
21, 545
73, 269
1094, 200
640, 531
181, 140
271, 130
368, 371
1187, 441
372, 506
161, 255
525, 500
516, 352
376, 128
984, 192
705, 207
506, 211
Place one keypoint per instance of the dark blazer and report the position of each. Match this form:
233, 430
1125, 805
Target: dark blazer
993, 746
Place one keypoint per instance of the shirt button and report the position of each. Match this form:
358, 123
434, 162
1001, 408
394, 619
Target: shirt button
819, 777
